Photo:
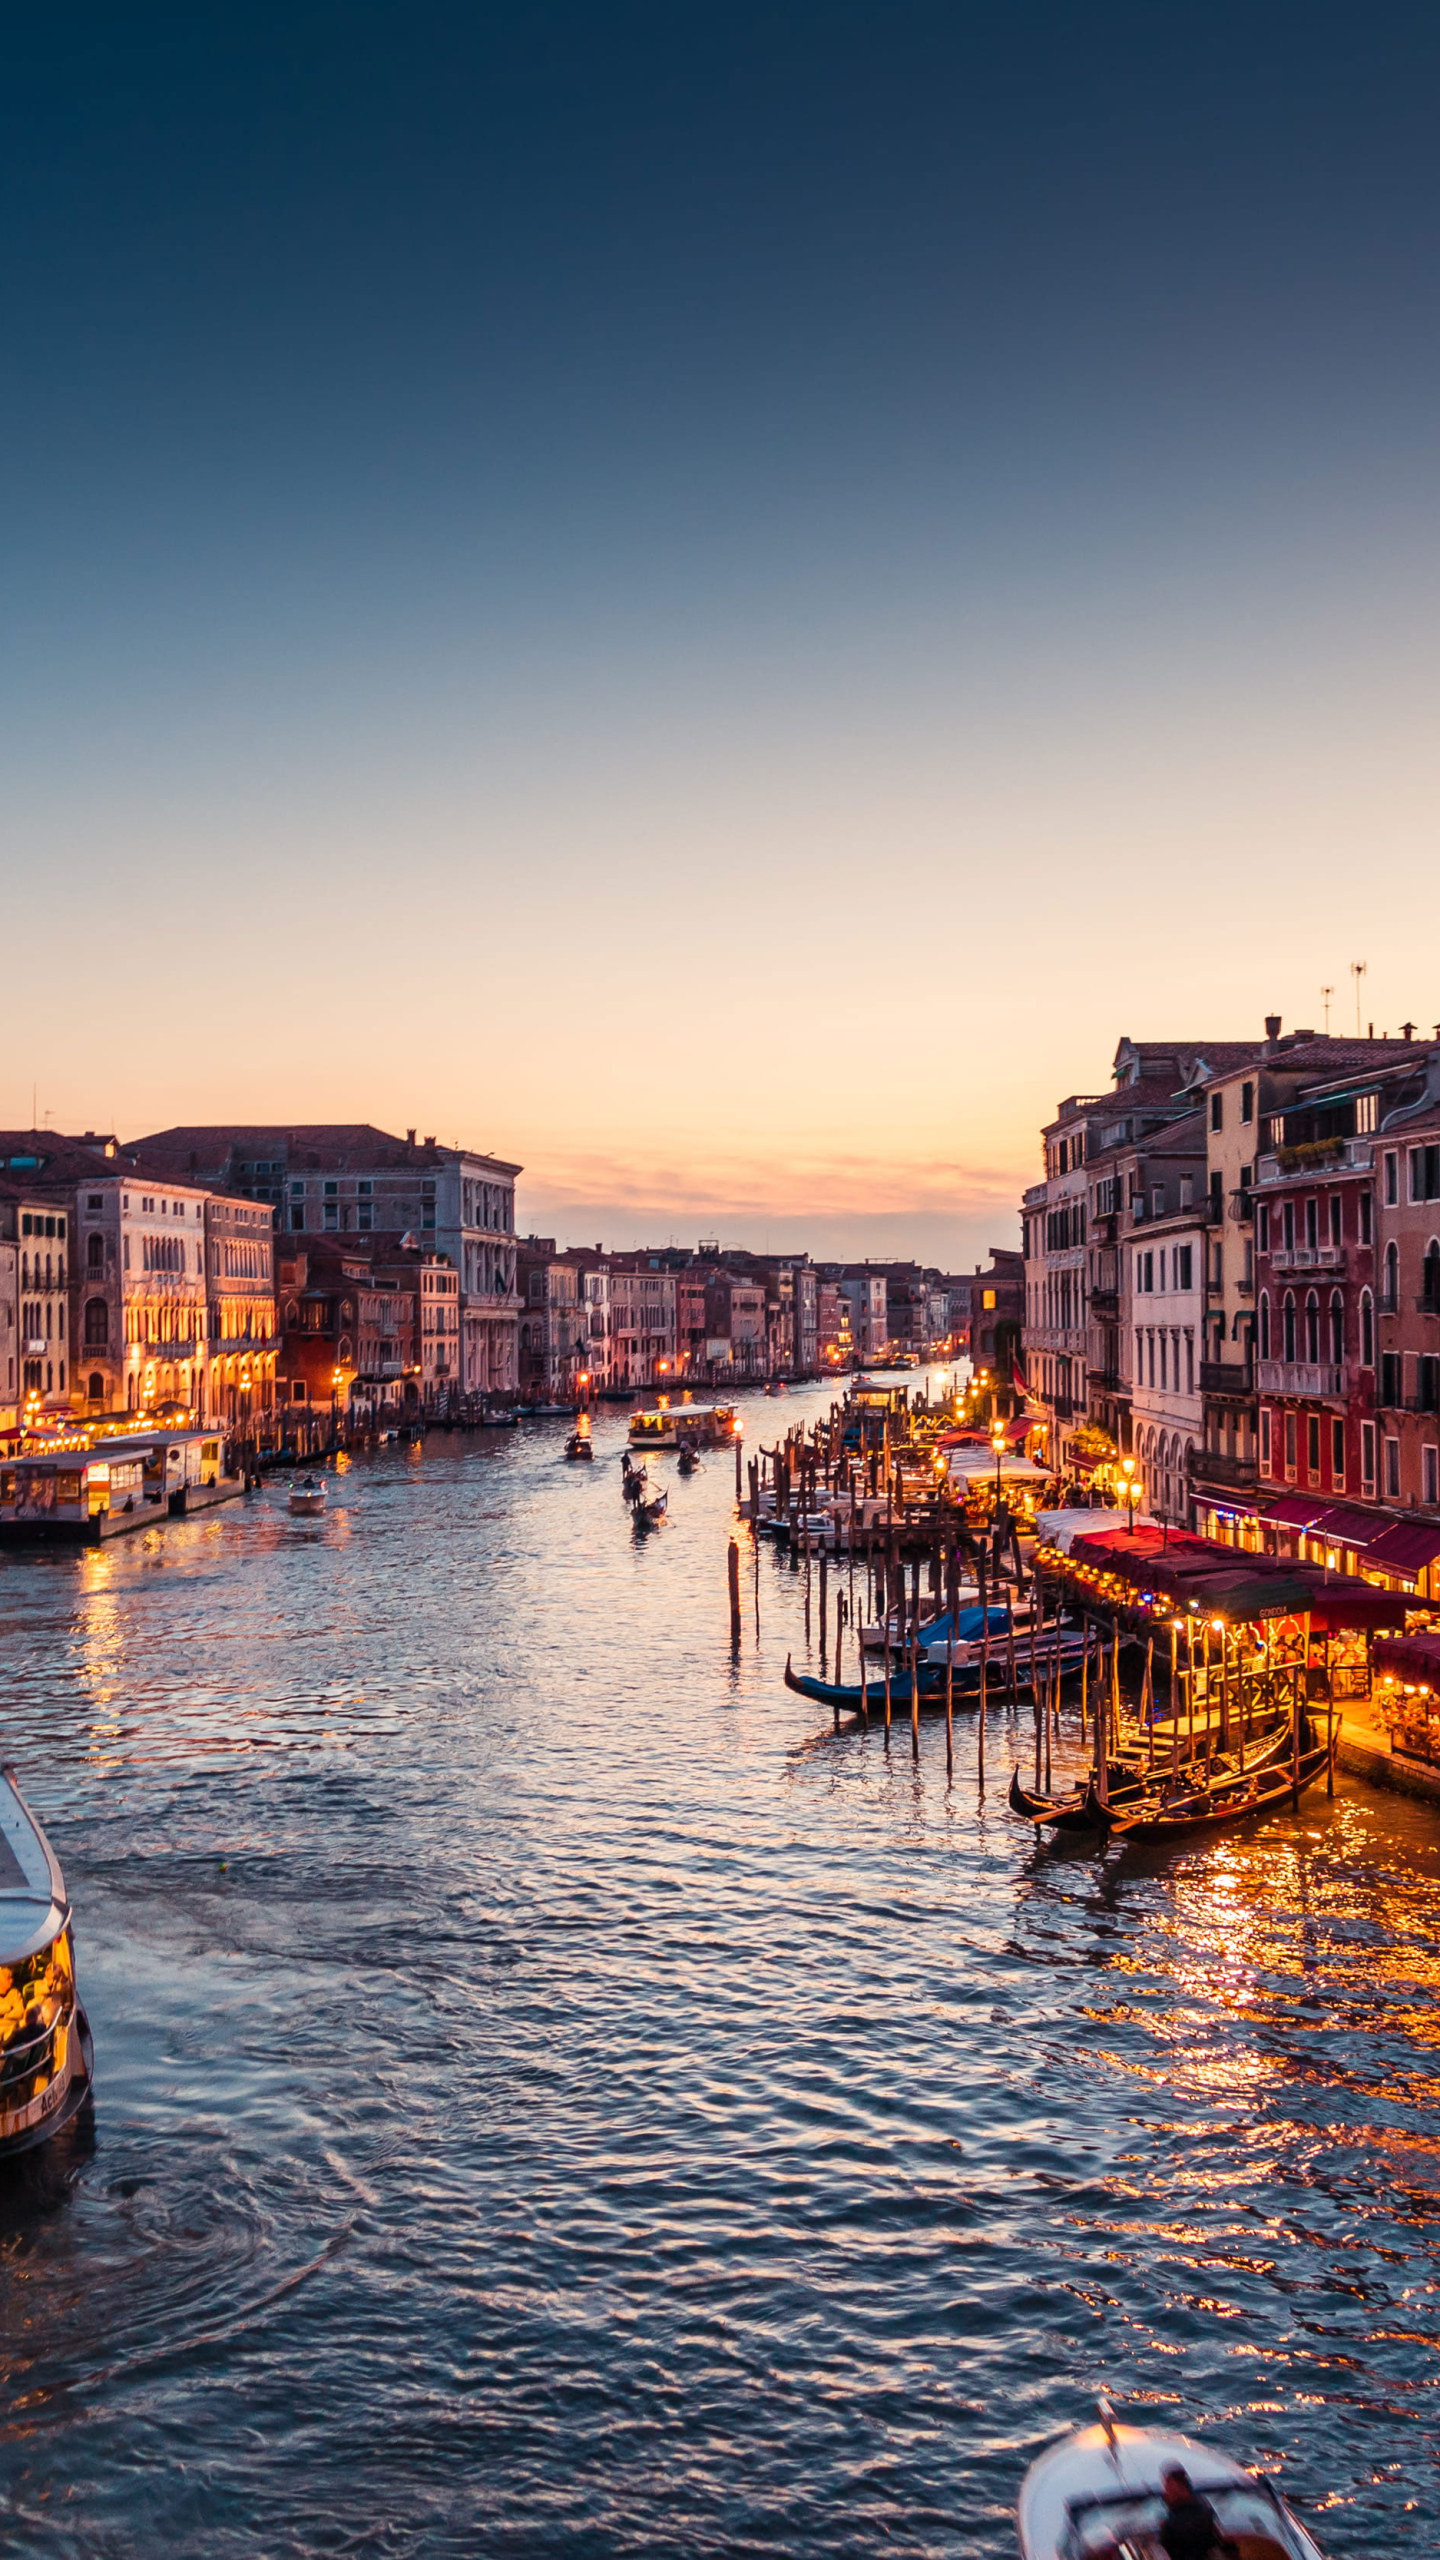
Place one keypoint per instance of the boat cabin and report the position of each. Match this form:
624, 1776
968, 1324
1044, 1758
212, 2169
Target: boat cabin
82, 1493
666, 1425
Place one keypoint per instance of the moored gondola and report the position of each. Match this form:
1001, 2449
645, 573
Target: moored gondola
1132, 1778
1238, 1799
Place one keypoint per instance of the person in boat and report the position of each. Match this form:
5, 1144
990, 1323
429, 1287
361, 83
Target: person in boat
1189, 2528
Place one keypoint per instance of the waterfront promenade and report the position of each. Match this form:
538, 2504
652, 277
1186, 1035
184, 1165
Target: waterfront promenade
555, 2097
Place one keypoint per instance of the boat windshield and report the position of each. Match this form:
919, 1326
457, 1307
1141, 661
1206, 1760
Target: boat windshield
36, 1997
1128, 2528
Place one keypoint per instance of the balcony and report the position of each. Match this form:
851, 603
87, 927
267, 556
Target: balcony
1309, 1257
1226, 1378
1320, 1156
1327, 1378
1109, 1382
1242, 1205
1211, 1466
1063, 1407
1104, 1302
1425, 1305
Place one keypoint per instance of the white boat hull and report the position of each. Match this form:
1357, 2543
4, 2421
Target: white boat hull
1101, 2487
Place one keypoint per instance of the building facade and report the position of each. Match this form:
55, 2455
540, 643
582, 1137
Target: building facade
338, 1180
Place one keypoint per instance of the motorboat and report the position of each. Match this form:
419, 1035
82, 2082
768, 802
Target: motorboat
579, 1445
47, 2058
1100, 2493
308, 1499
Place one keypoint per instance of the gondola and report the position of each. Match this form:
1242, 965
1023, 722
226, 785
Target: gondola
1100, 2491
848, 1696
649, 1512
1211, 1809
1131, 1779
689, 1458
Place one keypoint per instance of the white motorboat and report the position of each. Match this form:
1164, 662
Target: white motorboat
308, 1499
1099, 2495
46, 2055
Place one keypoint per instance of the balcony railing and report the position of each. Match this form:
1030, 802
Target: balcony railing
1318, 1156
1302, 1377
1226, 1378
1242, 1205
1104, 1302
1309, 1257
1210, 1466
1109, 1382
1426, 1305
1062, 1407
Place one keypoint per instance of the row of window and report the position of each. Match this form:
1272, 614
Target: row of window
1281, 1443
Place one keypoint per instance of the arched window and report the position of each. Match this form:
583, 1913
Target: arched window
1265, 1324
1312, 1326
1392, 1278
1367, 1330
1430, 1273
1287, 1317
97, 1388
95, 1254
1337, 1327
97, 1324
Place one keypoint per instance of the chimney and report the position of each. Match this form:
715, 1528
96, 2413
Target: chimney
429, 1142
409, 1137
1407, 1030
1272, 1029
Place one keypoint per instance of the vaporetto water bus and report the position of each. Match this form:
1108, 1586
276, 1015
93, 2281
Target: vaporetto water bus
664, 1426
46, 2055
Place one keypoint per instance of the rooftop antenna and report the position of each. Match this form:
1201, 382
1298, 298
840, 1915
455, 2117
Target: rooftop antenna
1357, 972
1326, 994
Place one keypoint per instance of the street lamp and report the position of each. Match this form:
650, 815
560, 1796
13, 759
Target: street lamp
1130, 1491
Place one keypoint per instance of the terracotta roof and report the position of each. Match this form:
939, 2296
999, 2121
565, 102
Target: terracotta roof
344, 1146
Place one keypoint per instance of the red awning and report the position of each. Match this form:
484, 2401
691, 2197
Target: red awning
1413, 1657
1407, 1546
1345, 1526
1294, 1511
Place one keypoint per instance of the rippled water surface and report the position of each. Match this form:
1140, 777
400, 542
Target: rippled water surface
555, 2097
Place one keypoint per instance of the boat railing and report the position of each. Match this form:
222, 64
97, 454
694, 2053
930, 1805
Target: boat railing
22, 2059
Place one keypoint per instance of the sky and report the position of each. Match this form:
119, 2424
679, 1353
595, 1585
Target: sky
713, 599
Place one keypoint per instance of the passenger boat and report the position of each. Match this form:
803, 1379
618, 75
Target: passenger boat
1100, 2491
665, 1426
46, 2056
308, 1499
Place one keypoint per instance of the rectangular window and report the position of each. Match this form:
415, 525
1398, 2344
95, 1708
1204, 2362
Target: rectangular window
1430, 1476
1392, 1470
1184, 1266
1337, 1454
1312, 1224
331, 1190
1290, 1444
297, 1221
1367, 1457
1428, 1383
1417, 1174
1366, 1219
1432, 1173
1336, 1230
1247, 1104
332, 1213
1392, 1180
1217, 1110
1312, 1447
1390, 1379
1263, 1226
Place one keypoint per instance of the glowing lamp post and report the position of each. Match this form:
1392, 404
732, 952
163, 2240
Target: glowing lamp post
1130, 1491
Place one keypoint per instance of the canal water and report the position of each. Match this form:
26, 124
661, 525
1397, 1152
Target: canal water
557, 2097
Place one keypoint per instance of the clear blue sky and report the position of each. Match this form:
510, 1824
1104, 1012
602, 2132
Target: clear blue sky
924, 515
